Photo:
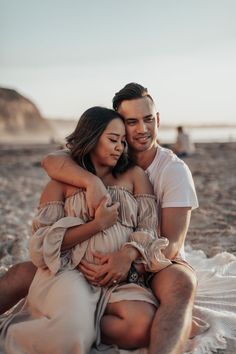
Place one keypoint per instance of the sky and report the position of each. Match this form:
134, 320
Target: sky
69, 55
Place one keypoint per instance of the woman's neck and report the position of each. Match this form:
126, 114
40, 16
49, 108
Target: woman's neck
103, 172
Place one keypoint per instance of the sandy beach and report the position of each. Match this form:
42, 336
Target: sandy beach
213, 225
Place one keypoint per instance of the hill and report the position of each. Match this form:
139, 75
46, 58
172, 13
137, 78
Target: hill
21, 120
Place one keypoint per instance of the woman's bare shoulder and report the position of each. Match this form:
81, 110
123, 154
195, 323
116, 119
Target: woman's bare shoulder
141, 182
53, 191
135, 171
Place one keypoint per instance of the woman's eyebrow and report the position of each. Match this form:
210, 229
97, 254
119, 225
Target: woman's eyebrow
118, 135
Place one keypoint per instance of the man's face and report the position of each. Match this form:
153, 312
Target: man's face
141, 122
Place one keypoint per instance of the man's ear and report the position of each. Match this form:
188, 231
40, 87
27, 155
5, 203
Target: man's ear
158, 119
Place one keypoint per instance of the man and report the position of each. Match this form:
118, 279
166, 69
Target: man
184, 146
175, 285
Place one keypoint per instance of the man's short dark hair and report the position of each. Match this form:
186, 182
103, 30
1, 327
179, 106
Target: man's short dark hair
131, 91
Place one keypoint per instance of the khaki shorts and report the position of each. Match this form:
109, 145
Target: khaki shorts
183, 262
149, 276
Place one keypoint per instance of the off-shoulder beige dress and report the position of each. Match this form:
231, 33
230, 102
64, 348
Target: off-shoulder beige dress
62, 311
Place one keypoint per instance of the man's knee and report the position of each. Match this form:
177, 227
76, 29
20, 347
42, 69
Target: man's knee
176, 281
14, 284
19, 277
189, 284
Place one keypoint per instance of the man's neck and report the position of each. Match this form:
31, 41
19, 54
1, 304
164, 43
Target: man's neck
144, 158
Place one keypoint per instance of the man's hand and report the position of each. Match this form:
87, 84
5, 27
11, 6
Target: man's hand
112, 266
106, 215
95, 191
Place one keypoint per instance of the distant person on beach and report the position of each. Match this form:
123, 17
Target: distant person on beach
62, 307
175, 285
184, 146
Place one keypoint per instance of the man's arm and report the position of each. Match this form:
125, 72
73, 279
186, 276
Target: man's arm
178, 199
174, 226
60, 166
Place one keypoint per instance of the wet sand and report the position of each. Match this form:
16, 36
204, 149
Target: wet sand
213, 225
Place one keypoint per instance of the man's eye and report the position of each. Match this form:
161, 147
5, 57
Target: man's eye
149, 119
131, 123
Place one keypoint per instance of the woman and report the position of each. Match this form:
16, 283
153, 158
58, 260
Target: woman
62, 307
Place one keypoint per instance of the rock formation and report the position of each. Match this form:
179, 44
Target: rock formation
20, 119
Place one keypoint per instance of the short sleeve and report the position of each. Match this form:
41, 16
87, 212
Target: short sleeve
177, 186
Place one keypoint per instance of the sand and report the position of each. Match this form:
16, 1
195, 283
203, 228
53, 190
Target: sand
213, 225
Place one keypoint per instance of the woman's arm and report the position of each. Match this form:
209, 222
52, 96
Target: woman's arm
54, 232
60, 166
105, 216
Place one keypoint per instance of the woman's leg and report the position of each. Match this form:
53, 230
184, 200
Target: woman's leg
61, 320
127, 324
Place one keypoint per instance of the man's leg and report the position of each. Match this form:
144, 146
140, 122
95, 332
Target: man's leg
175, 288
14, 284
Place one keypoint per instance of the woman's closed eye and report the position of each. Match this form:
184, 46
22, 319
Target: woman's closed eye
116, 141
113, 140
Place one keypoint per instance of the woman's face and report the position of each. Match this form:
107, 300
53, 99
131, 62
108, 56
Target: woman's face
110, 145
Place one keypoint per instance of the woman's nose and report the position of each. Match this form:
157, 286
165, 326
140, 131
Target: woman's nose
119, 146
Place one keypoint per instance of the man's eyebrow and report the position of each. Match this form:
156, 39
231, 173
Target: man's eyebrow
147, 116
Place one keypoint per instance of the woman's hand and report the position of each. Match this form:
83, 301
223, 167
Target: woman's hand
95, 191
112, 269
115, 268
106, 215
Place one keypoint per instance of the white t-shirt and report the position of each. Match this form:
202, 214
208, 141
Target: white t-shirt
172, 182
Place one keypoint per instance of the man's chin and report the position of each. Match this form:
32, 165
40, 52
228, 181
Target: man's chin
142, 147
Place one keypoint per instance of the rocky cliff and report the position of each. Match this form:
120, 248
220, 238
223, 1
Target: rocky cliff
20, 119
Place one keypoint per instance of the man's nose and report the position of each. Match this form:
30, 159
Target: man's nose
142, 128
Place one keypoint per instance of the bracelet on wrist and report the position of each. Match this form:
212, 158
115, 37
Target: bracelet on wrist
133, 275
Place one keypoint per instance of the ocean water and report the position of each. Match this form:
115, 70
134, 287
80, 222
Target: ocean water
165, 135
198, 135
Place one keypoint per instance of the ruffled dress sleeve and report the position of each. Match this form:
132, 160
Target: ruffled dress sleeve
145, 238
48, 228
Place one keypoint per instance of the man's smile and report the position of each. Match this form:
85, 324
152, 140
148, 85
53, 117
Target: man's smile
142, 138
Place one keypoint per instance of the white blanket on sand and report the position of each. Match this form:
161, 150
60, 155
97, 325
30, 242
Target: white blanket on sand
215, 303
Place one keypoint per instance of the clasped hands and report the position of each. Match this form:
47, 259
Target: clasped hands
112, 268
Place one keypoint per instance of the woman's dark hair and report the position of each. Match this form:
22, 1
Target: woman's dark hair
131, 91
84, 138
